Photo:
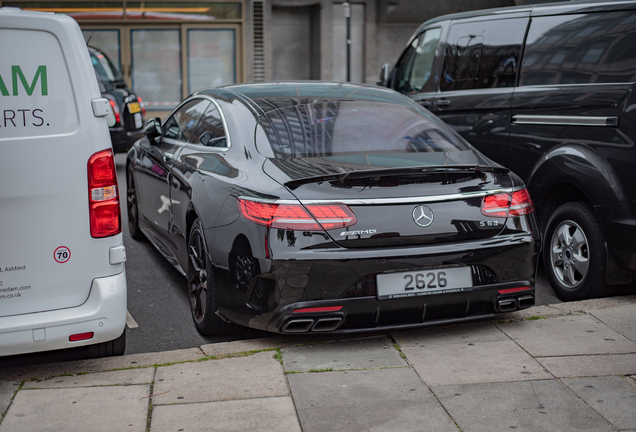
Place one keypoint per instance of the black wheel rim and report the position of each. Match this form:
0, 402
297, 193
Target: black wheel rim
569, 254
131, 201
197, 275
244, 269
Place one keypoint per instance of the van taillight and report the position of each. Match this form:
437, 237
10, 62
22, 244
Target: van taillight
503, 205
103, 202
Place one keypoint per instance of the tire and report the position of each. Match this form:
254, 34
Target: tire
116, 347
132, 207
202, 286
574, 253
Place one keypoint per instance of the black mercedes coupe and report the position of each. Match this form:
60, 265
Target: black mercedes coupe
298, 207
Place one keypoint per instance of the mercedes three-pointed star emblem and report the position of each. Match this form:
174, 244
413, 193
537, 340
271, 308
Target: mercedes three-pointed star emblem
423, 215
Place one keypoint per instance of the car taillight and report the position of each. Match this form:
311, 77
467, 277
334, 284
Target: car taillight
296, 216
143, 107
103, 202
115, 108
503, 205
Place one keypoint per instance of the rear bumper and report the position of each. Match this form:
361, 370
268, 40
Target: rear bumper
103, 313
365, 314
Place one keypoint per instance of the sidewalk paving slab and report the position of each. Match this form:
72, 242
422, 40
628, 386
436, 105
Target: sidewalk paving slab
22, 373
94, 409
275, 414
121, 377
522, 406
612, 397
592, 365
366, 400
478, 362
457, 334
569, 335
622, 319
353, 354
254, 376
7, 390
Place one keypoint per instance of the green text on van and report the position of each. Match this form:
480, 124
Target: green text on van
17, 76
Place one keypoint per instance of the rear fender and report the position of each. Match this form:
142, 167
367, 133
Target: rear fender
580, 167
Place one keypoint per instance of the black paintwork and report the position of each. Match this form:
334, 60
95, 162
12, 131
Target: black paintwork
178, 182
124, 133
558, 163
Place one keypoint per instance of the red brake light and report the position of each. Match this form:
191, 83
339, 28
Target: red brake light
143, 107
503, 205
296, 216
103, 200
115, 108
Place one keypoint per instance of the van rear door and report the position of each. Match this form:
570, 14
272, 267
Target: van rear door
51, 123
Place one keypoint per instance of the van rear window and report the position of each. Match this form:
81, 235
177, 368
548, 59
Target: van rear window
36, 97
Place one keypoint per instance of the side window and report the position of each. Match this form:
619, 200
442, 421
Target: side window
415, 69
210, 131
182, 123
483, 54
583, 48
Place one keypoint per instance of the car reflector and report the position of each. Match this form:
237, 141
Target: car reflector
503, 205
297, 216
514, 290
80, 336
319, 309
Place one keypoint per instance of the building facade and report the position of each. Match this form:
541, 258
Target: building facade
167, 50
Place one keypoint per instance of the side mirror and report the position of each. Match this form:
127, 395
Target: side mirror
153, 128
385, 75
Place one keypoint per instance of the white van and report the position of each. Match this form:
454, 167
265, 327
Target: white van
62, 258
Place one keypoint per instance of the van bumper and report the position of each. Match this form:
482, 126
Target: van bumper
103, 313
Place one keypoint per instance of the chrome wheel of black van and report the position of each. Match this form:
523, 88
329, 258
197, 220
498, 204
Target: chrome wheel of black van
201, 285
574, 253
131, 206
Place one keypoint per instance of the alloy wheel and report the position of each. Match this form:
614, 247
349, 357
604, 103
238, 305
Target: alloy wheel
569, 254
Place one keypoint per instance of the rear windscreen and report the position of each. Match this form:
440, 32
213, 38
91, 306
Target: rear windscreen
354, 127
105, 68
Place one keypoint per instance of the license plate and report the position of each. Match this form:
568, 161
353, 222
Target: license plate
134, 107
423, 282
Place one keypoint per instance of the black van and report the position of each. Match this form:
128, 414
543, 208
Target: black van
548, 91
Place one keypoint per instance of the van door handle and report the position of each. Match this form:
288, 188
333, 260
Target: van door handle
443, 102
424, 103
167, 157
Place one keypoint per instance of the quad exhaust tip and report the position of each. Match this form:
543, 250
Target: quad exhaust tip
507, 305
303, 325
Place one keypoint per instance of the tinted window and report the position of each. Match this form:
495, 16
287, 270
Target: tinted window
104, 67
415, 70
483, 54
210, 131
183, 122
585, 48
356, 127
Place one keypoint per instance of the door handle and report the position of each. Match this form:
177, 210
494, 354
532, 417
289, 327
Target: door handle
424, 103
167, 157
443, 102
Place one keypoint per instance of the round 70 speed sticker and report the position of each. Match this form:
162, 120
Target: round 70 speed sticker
62, 254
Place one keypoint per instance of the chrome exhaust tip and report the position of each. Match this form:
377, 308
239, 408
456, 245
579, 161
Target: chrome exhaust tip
525, 301
326, 324
297, 325
507, 305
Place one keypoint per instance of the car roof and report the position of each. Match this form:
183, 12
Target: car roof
566, 7
269, 96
